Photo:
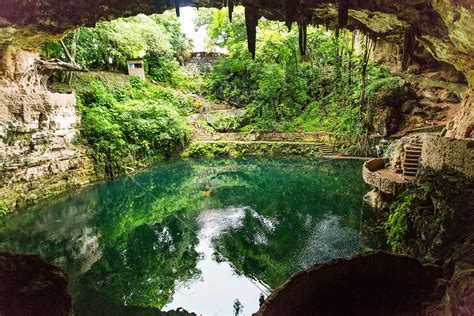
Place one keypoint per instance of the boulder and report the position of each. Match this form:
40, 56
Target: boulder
375, 283
30, 286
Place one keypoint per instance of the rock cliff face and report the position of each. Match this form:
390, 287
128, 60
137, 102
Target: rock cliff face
38, 157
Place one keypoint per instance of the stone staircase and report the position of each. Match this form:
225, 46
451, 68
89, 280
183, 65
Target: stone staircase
325, 149
412, 159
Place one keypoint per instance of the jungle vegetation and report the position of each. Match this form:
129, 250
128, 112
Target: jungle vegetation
328, 85
128, 124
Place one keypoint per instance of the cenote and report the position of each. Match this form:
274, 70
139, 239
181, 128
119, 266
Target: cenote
196, 234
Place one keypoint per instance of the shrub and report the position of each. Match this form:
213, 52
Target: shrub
3, 209
134, 125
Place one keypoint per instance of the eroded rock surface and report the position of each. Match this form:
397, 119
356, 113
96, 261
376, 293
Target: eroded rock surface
38, 130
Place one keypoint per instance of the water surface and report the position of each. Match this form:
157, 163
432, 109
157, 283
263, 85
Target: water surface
197, 234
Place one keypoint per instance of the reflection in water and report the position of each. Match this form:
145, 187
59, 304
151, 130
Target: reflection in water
329, 239
207, 235
218, 279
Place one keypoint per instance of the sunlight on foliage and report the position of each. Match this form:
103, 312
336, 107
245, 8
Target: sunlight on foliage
282, 90
130, 126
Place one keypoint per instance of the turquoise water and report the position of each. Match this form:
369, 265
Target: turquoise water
197, 234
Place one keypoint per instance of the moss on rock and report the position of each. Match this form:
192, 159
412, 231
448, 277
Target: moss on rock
235, 149
430, 216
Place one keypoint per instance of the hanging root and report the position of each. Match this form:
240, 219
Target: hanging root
177, 4
251, 22
303, 39
409, 44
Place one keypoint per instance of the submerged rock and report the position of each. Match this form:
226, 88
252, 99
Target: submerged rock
376, 283
30, 286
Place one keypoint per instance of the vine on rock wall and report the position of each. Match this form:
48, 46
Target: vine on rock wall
429, 215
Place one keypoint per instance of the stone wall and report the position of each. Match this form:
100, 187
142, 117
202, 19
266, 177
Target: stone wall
38, 129
371, 176
442, 153
322, 137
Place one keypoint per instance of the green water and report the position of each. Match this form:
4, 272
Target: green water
195, 234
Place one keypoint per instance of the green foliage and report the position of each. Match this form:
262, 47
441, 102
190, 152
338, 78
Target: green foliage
283, 91
219, 149
388, 83
3, 209
129, 126
428, 214
397, 224
156, 38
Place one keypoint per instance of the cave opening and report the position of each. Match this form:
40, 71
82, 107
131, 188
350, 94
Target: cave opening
236, 141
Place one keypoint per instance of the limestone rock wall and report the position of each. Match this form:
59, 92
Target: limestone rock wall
448, 154
38, 130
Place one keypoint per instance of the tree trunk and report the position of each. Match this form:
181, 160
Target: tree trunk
70, 57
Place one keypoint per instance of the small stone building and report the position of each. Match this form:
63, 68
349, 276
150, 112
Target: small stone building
135, 68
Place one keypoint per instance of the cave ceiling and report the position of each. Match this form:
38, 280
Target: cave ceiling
443, 27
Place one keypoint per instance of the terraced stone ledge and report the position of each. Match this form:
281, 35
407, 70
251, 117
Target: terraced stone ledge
381, 178
256, 148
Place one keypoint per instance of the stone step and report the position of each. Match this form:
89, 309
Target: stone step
409, 164
413, 148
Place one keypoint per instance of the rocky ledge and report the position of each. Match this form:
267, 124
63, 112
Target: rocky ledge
376, 283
